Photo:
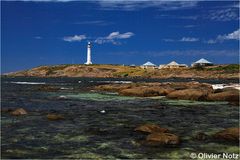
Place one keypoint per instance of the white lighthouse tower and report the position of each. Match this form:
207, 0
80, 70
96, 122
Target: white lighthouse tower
88, 54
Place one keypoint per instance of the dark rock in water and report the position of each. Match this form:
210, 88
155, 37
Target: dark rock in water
229, 134
155, 139
6, 110
48, 88
18, 112
54, 117
201, 136
98, 131
188, 94
151, 128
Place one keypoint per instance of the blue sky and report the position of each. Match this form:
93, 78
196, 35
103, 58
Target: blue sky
44, 32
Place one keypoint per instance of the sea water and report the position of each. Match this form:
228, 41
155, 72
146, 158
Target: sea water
87, 132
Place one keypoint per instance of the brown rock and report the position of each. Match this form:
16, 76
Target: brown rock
140, 92
229, 134
54, 117
163, 138
188, 94
18, 112
228, 95
113, 87
151, 128
190, 85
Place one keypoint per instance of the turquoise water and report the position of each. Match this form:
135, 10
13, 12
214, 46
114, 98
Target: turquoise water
87, 133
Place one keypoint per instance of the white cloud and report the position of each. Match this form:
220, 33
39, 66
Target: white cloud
224, 15
139, 4
113, 37
37, 37
231, 36
134, 4
180, 53
184, 39
184, 17
74, 38
98, 23
220, 38
117, 35
189, 39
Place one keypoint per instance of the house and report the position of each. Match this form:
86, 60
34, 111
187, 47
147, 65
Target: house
202, 62
172, 64
133, 65
148, 65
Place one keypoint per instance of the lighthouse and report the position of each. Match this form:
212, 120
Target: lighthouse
88, 54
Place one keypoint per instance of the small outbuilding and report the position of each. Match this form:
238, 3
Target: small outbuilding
133, 65
202, 62
148, 65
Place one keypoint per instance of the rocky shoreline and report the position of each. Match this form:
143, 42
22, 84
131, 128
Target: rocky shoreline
174, 90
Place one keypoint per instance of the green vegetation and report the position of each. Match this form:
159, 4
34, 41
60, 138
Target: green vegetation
231, 67
53, 69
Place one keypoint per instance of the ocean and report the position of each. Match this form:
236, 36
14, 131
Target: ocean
89, 133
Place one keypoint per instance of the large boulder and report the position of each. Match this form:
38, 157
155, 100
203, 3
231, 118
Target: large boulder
229, 134
18, 112
162, 138
54, 117
113, 87
151, 128
188, 94
140, 92
227, 95
189, 85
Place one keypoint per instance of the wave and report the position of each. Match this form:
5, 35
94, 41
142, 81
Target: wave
66, 88
33, 83
221, 86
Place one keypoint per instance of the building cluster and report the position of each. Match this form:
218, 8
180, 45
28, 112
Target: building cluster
173, 64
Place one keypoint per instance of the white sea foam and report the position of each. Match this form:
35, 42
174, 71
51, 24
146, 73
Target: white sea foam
34, 83
221, 86
65, 88
116, 82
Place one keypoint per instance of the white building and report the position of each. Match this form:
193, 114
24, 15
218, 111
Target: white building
172, 64
202, 62
89, 61
148, 65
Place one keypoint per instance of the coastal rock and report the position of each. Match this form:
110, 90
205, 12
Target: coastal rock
188, 94
162, 138
48, 88
190, 85
113, 87
151, 128
18, 112
54, 117
140, 92
229, 134
231, 95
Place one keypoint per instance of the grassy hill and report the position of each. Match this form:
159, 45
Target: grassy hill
116, 71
